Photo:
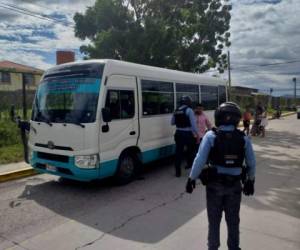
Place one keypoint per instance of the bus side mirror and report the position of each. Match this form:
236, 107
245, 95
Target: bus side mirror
106, 116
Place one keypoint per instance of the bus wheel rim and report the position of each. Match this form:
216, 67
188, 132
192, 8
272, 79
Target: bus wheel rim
127, 166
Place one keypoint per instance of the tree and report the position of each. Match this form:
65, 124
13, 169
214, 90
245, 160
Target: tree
188, 35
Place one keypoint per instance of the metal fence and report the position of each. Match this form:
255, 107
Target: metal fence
15, 98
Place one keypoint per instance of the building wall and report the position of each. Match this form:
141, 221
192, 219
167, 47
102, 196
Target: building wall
16, 82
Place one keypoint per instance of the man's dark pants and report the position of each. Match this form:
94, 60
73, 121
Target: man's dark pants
182, 139
227, 198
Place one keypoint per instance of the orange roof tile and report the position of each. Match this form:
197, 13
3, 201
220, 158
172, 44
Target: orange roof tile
19, 67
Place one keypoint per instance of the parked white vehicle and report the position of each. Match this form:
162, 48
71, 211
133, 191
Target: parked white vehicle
100, 118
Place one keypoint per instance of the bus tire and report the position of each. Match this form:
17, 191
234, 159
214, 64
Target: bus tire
127, 166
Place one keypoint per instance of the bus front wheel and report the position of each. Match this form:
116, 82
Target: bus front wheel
127, 167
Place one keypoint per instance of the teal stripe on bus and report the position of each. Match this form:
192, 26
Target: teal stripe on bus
158, 153
106, 169
109, 168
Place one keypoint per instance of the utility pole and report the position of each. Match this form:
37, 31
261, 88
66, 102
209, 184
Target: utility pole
295, 90
24, 103
229, 76
270, 98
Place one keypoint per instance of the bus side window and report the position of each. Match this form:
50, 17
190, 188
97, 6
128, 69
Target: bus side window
209, 97
158, 97
113, 103
127, 104
191, 90
222, 94
120, 104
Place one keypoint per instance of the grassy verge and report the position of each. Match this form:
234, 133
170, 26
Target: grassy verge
11, 153
11, 149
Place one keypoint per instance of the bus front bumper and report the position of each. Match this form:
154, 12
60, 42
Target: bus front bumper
66, 169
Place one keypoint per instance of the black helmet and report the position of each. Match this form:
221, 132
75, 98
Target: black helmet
185, 100
228, 113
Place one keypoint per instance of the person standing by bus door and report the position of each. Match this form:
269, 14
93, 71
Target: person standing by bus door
202, 122
226, 148
186, 133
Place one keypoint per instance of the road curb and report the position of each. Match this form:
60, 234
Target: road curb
287, 114
17, 174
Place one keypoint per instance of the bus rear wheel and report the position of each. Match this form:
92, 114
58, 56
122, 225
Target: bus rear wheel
127, 167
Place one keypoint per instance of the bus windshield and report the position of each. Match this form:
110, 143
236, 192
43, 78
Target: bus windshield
68, 95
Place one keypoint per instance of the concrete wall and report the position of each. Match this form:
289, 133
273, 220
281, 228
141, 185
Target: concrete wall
16, 82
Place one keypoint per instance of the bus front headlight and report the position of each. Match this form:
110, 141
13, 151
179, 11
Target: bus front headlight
86, 161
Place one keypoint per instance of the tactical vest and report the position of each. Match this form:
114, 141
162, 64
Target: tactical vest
229, 149
181, 118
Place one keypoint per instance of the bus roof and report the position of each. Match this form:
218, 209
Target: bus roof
145, 71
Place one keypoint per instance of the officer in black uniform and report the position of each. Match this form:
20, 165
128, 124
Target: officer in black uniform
186, 133
225, 149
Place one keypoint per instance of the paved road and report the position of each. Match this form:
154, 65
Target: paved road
41, 213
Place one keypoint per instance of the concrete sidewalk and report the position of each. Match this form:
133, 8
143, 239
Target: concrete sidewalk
15, 170
13, 167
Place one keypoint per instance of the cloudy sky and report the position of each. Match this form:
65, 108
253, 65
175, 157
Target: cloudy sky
263, 32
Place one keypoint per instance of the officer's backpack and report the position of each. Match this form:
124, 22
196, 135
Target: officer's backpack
181, 119
229, 149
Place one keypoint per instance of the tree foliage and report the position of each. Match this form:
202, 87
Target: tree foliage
188, 35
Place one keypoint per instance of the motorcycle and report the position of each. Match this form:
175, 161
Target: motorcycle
277, 114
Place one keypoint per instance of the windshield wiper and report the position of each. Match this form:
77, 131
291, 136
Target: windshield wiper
78, 124
44, 119
48, 122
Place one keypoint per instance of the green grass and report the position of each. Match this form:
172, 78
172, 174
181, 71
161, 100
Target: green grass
9, 133
12, 153
11, 148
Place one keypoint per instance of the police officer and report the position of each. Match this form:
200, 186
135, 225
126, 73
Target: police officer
225, 149
186, 133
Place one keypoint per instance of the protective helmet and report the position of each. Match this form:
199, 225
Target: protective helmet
228, 113
185, 100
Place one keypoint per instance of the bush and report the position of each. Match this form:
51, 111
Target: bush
13, 153
9, 134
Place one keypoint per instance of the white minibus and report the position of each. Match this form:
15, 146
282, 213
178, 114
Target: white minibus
101, 118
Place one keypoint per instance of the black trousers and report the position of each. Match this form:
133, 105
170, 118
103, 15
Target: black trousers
223, 198
184, 139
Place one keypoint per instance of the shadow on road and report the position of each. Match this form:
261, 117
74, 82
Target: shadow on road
151, 209
278, 176
154, 208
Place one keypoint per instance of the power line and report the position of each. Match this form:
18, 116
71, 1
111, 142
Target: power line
266, 65
21, 12
258, 72
25, 11
36, 13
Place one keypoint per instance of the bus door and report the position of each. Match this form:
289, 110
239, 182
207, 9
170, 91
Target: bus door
120, 97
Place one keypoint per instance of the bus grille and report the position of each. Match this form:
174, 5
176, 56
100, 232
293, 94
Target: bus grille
53, 157
55, 147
